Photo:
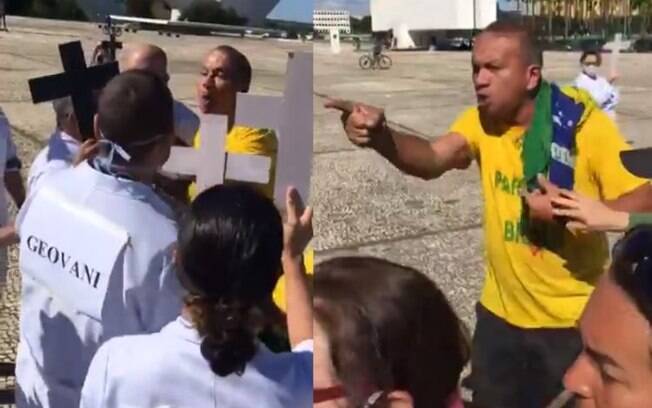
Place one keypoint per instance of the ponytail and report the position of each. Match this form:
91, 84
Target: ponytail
228, 341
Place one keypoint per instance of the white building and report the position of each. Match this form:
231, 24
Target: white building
255, 11
417, 22
324, 20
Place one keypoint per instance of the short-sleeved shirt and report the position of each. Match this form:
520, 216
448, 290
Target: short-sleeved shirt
263, 142
167, 369
8, 162
527, 286
186, 123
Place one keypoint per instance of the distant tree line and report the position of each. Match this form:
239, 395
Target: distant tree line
211, 11
204, 11
361, 25
56, 9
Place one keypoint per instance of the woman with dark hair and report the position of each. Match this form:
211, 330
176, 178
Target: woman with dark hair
231, 248
615, 368
386, 337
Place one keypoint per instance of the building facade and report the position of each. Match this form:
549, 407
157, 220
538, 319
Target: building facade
325, 20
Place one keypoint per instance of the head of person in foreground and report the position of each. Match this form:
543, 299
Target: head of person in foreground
614, 369
135, 123
229, 258
385, 336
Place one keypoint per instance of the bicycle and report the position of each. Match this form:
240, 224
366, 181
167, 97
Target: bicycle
370, 62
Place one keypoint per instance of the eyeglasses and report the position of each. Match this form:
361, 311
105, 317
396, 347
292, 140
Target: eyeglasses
337, 392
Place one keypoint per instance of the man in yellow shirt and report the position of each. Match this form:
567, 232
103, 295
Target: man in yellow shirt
538, 275
226, 71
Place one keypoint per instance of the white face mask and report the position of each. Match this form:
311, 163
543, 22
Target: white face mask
590, 70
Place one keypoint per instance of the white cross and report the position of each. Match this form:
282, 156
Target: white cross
210, 164
290, 116
615, 48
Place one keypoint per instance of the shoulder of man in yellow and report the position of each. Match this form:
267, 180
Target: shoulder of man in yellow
263, 142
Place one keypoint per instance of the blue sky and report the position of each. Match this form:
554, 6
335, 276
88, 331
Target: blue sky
293, 10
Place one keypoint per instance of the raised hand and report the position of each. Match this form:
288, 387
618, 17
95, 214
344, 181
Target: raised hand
297, 229
365, 125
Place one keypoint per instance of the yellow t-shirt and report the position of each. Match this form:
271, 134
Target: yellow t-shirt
262, 142
527, 286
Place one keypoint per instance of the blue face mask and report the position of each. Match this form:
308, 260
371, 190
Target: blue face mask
113, 158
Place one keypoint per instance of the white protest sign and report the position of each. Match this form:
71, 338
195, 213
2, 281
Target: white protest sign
291, 116
75, 264
210, 164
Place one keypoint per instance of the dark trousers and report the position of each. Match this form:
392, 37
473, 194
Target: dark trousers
518, 368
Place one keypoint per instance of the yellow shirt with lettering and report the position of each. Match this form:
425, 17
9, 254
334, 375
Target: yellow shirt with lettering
527, 286
263, 142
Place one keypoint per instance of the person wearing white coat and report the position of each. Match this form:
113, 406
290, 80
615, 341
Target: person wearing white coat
230, 253
12, 183
603, 91
63, 145
97, 244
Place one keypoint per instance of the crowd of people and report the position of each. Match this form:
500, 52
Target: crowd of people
140, 291
120, 261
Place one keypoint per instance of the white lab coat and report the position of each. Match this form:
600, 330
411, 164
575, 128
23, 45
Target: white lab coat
8, 162
139, 294
167, 369
58, 154
186, 123
605, 94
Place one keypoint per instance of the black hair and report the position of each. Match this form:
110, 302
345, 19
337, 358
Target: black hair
529, 44
134, 107
590, 53
229, 250
242, 71
631, 269
387, 325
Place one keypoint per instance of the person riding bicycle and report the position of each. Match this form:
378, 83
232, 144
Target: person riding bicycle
377, 51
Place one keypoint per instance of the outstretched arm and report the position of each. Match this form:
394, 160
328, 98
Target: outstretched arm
366, 126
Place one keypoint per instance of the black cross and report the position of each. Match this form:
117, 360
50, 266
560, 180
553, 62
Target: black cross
112, 45
77, 81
